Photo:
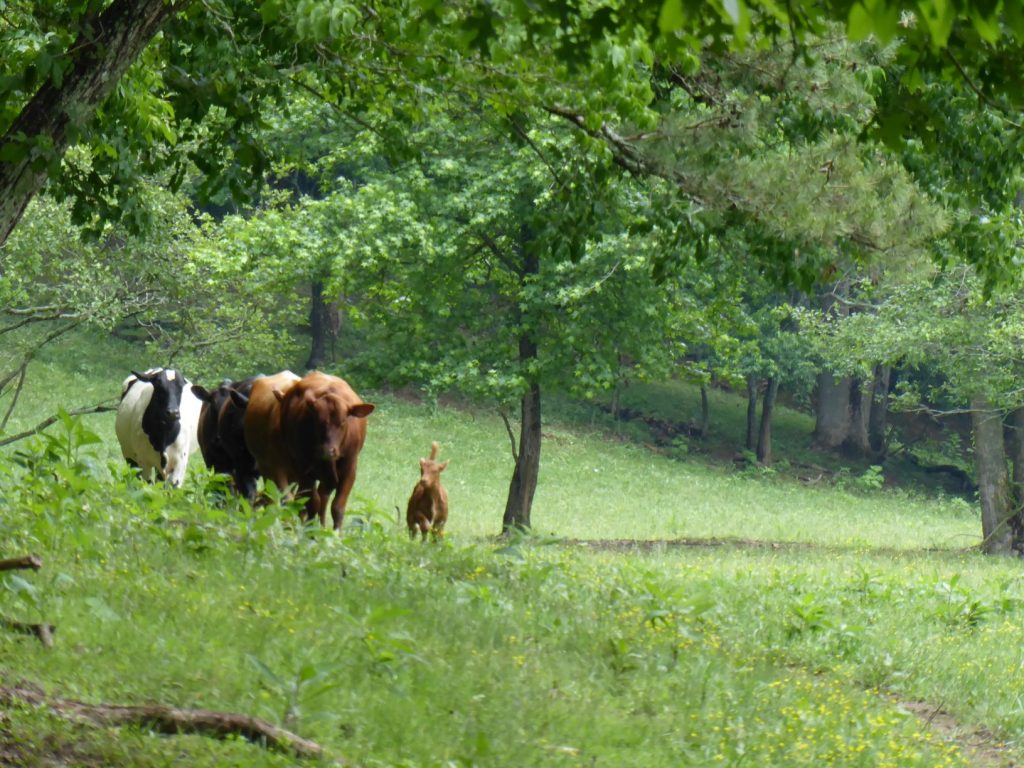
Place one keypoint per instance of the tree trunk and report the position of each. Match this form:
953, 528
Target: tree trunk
705, 412
764, 435
878, 419
856, 441
751, 412
1016, 446
43, 130
832, 410
527, 471
319, 326
997, 513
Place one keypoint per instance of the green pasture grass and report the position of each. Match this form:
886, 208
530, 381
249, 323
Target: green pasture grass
81, 370
390, 652
945, 628
594, 483
678, 402
477, 653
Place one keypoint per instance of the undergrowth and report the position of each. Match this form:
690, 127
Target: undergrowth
469, 653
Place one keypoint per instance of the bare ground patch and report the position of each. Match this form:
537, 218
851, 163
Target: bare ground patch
656, 545
979, 745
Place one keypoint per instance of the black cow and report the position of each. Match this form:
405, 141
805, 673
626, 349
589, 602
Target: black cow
222, 435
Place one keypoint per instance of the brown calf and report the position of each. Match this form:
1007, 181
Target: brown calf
428, 505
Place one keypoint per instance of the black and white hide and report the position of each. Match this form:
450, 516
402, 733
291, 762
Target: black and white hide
157, 423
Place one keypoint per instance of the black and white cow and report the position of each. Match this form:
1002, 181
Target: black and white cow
157, 422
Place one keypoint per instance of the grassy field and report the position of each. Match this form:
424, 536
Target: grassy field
806, 633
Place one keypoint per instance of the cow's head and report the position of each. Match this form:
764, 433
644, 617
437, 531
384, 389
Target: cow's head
327, 417
431, 469
168, 387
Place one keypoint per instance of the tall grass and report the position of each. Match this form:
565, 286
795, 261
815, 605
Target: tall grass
484, 653
592, 484
397, 653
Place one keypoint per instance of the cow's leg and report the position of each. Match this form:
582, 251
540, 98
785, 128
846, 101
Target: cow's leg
138, 469
321, 495
175, 471
245, 485
314, 507
347, 478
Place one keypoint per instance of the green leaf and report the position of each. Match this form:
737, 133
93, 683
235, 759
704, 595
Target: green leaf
859, 24
266, 672
671, 17
938, 16
12, 152
986, 26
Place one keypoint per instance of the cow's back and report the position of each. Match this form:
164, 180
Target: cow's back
263, 436
135, 444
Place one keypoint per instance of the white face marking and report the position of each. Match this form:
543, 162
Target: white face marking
170, 375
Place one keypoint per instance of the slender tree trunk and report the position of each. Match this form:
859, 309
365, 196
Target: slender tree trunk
527, 471
832, 411
832, 408
55, 114
751, 412
319, 326
997, 513
334, 325
878, 419
1016, 448
705, 412
856, 441
764, 434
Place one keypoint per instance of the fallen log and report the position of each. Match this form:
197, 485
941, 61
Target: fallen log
21, 563
44, 632
172, 721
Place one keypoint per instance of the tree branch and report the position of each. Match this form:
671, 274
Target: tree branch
21, 563
173, 721
520, 131
17, 394
43, 631
511, 435
1002, 109
98, 408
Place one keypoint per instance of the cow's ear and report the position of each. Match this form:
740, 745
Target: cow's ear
147, 377
202, 393
443, 465
238, 398
278, 394
361, 410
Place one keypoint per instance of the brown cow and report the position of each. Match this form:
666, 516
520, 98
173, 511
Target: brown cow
428, 505
262, 426
323, 422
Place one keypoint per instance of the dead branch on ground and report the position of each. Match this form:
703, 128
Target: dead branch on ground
44, 632
21, 563
172, 721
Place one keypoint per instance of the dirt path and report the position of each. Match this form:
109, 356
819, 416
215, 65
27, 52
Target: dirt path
979, 745
654, 545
